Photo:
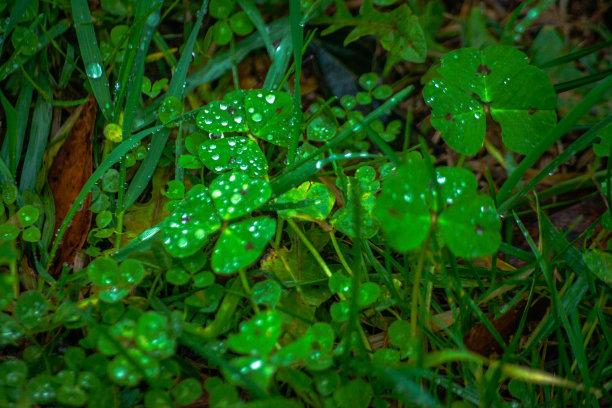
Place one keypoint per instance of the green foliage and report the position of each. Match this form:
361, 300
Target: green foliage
403, 40
361, 259
498, 81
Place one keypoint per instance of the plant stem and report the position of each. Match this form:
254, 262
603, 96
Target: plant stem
348, 269
310, 247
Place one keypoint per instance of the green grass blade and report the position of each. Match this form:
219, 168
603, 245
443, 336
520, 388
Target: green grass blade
255, 16
583, 142
579, 82
9, 148
297, 40
176, 89
375, 114
222, 63
593, 97
138, 44
279, 65
575, 55
39, 135
90, 52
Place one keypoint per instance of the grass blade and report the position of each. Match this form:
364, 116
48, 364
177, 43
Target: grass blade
176, 89
90, 52
575, 55
9, 148
297, 40
253, 12
579, 145
138, 44
579, 82
39, 135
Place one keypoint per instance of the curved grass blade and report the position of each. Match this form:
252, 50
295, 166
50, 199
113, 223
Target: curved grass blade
94, 66
579, 145
253, 12
176, 89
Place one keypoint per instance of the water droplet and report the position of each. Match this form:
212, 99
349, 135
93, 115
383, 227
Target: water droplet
94, 70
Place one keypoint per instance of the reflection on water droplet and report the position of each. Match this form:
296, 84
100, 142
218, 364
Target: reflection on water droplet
94, 70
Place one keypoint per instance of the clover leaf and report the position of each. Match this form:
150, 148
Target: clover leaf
236, 194
234, 153
268, 115
257, 336
497, 80
194, 219
471, 226
115, 281
468, 222
322, 205
343, 219
241, 244
227, 115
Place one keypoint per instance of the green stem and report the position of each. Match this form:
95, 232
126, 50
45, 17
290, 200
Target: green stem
247, 288
332, 235
310, 247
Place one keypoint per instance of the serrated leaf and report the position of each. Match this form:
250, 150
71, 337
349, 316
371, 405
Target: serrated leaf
499, 79
241, 244
236, 194
231, 153
398, 30
193, 220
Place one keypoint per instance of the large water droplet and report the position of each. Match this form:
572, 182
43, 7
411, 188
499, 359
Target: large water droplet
94, 70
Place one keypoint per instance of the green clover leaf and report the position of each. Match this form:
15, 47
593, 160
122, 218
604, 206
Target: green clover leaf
237, 153
269, 115
236, 194
499, 80
322, 197
190, 224
241, 244
226, 115
468, 223
471, 226
257, 336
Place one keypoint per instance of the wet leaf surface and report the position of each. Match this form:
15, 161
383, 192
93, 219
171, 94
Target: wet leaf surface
240, 244
236, 194
499, 79
320, 208
191, 223
234, 153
